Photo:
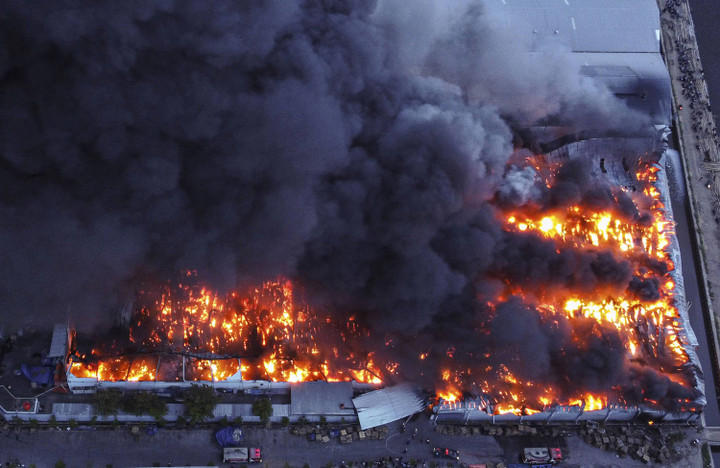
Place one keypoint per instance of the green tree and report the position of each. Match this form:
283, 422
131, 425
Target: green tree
108, 402
285, 420
200, 401
149, 403
59, 464
262, 407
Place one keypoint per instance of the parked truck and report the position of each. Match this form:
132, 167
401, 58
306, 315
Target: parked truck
242, 455
541, 456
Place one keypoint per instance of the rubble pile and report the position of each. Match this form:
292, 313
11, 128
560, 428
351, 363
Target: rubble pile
649, 444
345, 435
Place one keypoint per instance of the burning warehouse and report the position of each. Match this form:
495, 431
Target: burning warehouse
480, 207
653, 316
266, 341
652, 312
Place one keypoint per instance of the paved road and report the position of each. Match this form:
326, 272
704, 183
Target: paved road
81, 449
701, 159
712, 435
706, 16
198, 447
697, 314
697, 134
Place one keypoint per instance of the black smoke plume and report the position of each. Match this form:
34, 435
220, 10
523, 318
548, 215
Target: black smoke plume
349, 145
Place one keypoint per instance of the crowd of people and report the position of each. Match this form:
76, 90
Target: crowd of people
692, 75
676, 18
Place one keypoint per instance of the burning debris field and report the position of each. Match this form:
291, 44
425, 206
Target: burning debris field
589, 265
262, 335
348, 191
629, 301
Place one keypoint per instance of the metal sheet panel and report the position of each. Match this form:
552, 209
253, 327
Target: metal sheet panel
585, 26
387, 405
321, 398
59, 343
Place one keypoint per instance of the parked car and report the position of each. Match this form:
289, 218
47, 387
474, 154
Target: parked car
446, 453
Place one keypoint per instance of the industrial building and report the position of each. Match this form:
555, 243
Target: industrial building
615, 42
479, 410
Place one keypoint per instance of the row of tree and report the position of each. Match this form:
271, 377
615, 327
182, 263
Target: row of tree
199, 402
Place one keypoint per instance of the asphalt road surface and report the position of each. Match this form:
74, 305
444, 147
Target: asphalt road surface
706, 16
81, 449
692, 295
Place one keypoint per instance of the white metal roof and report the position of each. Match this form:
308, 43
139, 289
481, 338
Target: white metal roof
59, 343
617, 42
387, 405
321, 398
584, 25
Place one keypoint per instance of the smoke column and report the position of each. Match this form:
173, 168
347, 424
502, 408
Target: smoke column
350, 145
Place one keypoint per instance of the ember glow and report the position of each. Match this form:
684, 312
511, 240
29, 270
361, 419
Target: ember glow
650, 328
586, 229
269, 333
274, 338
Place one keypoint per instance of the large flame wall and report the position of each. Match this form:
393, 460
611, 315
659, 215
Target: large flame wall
656, 331
279, 339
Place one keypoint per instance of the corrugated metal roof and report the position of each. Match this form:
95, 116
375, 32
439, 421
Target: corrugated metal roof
387, 405
586, 26
321, 398
59, 343
617, 42
640, 79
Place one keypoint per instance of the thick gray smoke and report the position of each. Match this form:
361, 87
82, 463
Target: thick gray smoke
350, 145
237, 139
